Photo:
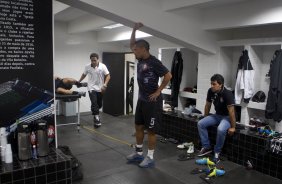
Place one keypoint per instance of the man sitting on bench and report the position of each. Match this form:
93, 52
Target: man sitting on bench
64, 85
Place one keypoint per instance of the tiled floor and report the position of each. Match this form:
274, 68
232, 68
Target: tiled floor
103, 151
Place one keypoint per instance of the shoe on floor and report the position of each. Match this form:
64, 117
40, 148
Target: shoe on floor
205, 161
184, 145
185, 156
135, 157
204, 151
190, 149
147, 162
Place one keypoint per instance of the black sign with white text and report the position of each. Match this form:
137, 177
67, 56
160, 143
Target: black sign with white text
26, 61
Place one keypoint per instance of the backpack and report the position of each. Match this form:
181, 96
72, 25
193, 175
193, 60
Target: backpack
259, 97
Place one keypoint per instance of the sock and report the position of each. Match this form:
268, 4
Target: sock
216, 155
139, 149
150, 154
97, 117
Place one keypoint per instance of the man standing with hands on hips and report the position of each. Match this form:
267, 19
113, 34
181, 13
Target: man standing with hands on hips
149, 105
98, 79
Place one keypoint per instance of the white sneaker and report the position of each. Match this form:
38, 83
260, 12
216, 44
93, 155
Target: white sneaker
184, 145
190, 149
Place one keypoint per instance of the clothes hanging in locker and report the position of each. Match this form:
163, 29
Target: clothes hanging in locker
274, 101
244, 87
176, 72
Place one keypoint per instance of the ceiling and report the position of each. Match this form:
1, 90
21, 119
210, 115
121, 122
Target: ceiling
67, 14
206, 20
70, 14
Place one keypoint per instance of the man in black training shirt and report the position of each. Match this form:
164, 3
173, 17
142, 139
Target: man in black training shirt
224, 118
149, 105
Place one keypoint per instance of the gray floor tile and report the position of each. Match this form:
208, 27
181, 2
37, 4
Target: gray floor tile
102, 152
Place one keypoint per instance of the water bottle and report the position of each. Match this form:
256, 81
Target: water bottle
24, 146
42, 138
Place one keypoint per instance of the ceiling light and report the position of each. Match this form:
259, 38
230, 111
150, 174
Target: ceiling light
112, 26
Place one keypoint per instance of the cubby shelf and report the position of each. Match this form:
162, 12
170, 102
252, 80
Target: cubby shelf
186, 94
183, 94
166, 91
256, 105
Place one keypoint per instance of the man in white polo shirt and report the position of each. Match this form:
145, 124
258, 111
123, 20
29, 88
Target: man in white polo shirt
98, 79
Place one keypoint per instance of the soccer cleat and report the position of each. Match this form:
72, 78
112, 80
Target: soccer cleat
216, 172
205, 161
147, 162
199, 171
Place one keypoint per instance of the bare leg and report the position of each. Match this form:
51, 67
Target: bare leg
152, 139
64, 91
139, 134
70, 81
69, 92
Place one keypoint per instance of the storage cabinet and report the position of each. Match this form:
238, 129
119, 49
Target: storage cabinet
225, 62
189, 76
260, 54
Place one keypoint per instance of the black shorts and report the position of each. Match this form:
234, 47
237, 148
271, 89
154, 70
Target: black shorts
60, 84
148, 113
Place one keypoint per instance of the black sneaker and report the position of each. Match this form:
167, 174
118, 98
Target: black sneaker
97, 122
84, 84
81, 84
204, 151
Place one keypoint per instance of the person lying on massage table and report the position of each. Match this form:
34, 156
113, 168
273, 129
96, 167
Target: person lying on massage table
64, 85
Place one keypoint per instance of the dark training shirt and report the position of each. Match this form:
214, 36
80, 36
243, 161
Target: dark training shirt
148, 73
221, 100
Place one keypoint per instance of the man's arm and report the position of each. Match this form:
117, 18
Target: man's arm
231, 111
107, 79
105, 85
133, 34
82, 77
164, 83
207, 108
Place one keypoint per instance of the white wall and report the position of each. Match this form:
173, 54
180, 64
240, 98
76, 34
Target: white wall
207, 66
72, 54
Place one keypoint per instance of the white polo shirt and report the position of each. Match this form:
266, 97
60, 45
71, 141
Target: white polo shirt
96, 76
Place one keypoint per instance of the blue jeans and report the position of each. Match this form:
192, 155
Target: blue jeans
223, 124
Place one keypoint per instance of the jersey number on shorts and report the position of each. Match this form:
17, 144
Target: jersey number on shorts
152, 123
